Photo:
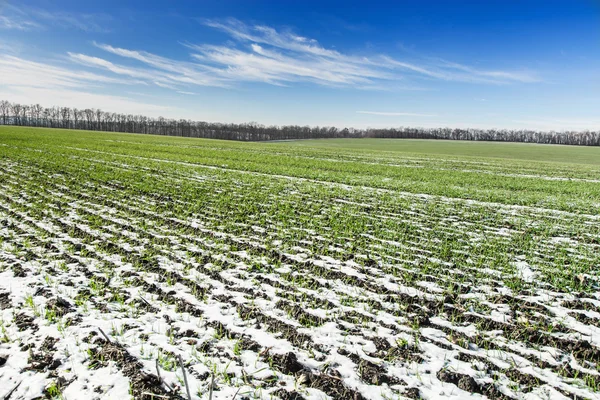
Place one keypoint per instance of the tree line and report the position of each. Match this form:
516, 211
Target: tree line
98, 120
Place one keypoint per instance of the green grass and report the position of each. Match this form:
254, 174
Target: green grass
429, 167
300, 184
512, 151
299, 236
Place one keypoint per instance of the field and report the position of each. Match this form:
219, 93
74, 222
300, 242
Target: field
342, 269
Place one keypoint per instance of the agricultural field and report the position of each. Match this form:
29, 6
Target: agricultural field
148, 267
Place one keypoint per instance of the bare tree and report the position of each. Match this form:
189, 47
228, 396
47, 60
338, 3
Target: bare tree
4, 111
95, 119
65, 114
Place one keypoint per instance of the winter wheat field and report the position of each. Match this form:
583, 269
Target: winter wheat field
149, 267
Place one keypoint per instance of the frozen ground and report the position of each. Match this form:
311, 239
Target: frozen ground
121, 277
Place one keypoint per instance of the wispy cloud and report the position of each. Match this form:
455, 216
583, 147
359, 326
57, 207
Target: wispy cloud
395, 114
98, 23
11, 47
224, 66
269, 36
257, 53
278, 58
114, 68
271, 66
160, 71
30, 18
18, 71
27, 81
83, 99
17, 23
515, 76
302, 51
261, 53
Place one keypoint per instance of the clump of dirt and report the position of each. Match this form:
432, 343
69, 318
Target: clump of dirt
403, 352
223, 298
526, 382
144, 386
24, 322
73, 320
183, 306
412, 393
48, 344
43, 359
144, 305
3, 359
463, 381
205, 347
330, 383
4, 301
178, 333
371, 372
468, 384
287, 363
381, 343
406, 353
374, 374
59, 306
249, 344
42, 291
285, 395
18, 271
333, 386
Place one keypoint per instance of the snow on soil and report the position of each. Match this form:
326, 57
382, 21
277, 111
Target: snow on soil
99, 295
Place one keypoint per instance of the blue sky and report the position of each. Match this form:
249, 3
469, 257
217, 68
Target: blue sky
491, 64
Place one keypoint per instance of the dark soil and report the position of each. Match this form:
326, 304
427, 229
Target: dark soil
144, 386
285, 395
24, 322
43, 359
287, 363
59, 306
4, 301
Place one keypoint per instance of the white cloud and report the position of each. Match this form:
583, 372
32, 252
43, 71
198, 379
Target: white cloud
18, 23
18, 71
28, 18
275, 57
82, 99
260, 64
267, 35
257, 54
26, 82
515, 76
114, 68
395, 114
305, 51
165, 72
86, 22
263, 54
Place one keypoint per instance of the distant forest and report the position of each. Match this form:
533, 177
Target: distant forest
98, 120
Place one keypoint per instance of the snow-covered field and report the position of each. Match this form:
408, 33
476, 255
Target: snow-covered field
127, 272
